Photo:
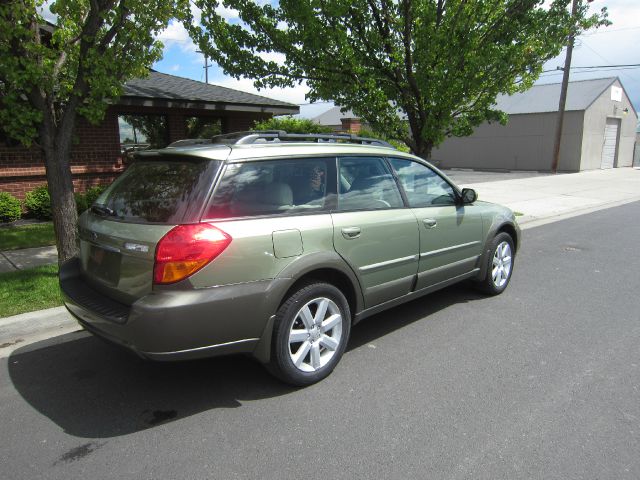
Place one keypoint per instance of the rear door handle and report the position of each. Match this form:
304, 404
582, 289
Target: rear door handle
430, 222
351, 232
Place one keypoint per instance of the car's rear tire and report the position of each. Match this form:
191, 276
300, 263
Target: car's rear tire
500, 262
310, 334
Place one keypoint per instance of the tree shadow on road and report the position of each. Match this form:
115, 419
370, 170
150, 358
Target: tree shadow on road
93, 389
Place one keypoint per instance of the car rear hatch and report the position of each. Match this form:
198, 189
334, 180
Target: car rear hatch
120, 232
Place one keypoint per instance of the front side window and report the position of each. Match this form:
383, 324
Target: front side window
365, 183
272, 188
423, 186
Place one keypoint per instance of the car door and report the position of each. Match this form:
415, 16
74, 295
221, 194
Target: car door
450, 232
373, 231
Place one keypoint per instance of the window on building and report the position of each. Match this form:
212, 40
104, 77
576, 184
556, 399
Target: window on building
203, 127
140, 132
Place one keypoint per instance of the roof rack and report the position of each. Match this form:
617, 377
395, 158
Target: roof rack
268, 136
187, 142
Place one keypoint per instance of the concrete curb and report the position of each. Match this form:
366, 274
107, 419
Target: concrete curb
20, 330
527, 221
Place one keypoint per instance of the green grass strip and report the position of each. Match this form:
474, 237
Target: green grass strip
28, 290
27, 236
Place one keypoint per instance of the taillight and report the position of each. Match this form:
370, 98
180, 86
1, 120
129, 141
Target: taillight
185, 249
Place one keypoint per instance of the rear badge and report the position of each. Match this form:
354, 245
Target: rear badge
136, 247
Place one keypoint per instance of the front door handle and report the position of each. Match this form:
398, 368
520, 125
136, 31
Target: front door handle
430, 222
351, 232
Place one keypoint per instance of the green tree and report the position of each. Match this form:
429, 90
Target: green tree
291, 125
49, 75
419, 70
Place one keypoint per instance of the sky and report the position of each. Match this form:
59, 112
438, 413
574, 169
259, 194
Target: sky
613, 45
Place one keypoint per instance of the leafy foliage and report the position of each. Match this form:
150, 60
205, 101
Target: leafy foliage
420, 70
76, 64
81, 202
10, 209
38, 203
93, 193
50, 74
86, 199
398, 144
291, 125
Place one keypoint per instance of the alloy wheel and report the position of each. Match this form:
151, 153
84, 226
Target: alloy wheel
315, 334
501, 264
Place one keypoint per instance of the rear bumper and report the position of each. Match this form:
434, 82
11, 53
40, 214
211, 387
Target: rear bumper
176, 324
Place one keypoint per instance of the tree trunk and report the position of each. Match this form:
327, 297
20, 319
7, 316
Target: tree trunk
418, 145
423, 149
56, 146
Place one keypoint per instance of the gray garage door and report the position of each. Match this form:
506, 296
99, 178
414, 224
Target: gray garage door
610, 144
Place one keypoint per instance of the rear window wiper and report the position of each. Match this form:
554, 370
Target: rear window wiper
102, 210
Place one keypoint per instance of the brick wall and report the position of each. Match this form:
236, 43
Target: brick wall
242, 122
351, 125
96, 157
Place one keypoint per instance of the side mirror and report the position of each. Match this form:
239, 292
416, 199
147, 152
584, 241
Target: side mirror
469, 195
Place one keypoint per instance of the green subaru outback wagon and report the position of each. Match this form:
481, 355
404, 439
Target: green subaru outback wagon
275, 244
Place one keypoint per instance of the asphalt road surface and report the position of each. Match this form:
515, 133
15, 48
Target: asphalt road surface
540, 382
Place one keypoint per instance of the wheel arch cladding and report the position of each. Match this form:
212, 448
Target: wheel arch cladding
331, 276
507, 228
511, 231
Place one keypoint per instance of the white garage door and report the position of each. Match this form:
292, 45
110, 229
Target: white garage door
610, 144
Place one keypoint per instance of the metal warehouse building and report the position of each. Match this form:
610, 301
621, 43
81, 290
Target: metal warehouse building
599, 131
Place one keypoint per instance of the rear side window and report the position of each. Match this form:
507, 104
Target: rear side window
161, 191
272, 188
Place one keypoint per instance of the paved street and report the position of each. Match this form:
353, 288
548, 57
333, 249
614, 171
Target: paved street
541, 382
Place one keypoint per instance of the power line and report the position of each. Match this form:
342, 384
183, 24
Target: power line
633, 65
600, 32
623, 73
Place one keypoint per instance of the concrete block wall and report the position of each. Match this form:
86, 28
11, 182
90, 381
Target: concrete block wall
524, 143
594, 124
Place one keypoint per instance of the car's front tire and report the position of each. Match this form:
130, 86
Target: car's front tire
310, 334
500, 265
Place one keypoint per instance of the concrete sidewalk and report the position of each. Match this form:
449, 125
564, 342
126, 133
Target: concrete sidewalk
541, 199
544, 199
11, 260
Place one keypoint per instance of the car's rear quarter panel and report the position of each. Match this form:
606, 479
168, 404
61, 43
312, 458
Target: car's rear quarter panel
262, 247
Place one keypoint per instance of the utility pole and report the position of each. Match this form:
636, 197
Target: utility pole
563, 92
206, 67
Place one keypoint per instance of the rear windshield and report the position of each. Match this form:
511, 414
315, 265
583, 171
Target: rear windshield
160, 191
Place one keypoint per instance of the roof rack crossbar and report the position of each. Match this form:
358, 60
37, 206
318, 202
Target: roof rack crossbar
250, 137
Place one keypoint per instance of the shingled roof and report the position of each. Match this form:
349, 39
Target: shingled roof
164, 87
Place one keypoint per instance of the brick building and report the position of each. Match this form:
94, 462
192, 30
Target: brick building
153, 112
